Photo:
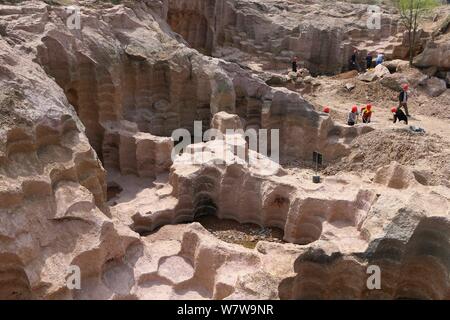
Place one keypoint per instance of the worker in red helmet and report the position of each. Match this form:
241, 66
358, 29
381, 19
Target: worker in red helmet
353, 116
367, 114
403, 98
399, 115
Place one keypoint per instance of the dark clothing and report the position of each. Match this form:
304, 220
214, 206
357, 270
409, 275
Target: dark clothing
294, 66
366, 115
354, 63
351, 119
369, 61
403, 97
403, 101
400, 116
404, 105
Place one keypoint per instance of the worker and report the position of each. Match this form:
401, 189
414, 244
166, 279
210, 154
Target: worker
354, 61
399, 115
353, 116
295, 64
369, 60
403, 98
380, 59
367, 114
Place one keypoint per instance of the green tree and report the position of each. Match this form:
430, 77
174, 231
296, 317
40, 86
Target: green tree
411, 15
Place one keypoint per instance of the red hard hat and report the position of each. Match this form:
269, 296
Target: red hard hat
369, 106
394, 110
326, 110
355, 109
405, 86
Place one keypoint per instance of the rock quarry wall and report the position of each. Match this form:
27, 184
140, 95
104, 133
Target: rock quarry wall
77, 102
150, 81
110, 92
276, 32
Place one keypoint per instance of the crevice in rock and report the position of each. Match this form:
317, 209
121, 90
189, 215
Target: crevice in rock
113, 189
193, 27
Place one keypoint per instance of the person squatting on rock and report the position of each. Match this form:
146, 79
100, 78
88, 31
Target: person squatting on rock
403, 99
295, 64
367, 114
353, 116
399, 115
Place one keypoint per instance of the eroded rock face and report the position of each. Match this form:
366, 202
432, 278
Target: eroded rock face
53, 208
273, 33
85, 109
405, 241
112, 74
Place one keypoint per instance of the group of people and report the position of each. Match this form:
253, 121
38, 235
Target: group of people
354, 65
366, 112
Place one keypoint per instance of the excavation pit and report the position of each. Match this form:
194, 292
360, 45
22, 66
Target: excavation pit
245, 234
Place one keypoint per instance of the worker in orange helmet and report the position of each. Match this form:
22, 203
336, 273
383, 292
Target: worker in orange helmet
367, 113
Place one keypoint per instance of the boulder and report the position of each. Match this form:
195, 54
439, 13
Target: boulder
276, 80
413, 77
431, 71
308, 79
396, 65
435, 54
292, 75
303, 73
445, 75
393, 82
381, 71
434, 87
369, 76
350, 86
223, 121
